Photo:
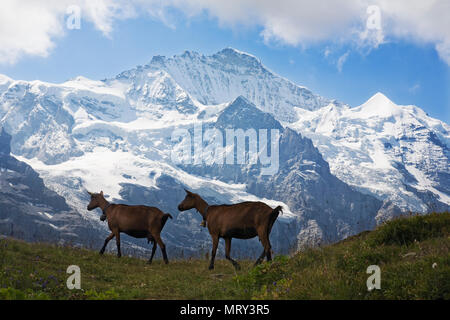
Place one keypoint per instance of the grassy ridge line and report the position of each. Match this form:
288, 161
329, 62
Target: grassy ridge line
413, 254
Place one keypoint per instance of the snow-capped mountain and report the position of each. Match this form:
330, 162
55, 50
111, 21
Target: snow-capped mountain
393, 152
341, 170
222, 77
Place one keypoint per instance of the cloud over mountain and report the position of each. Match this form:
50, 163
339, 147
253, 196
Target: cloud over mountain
28, 28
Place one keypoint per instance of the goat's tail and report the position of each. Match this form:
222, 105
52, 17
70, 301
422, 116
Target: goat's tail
164, 219
273, 216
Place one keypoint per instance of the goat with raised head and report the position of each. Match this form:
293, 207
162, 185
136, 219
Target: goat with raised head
243, 220
136, 221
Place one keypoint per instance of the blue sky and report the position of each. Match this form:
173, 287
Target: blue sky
405, 70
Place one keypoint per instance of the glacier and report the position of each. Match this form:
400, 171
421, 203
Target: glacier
393, 152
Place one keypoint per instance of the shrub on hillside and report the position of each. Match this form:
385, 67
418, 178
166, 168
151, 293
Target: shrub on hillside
406, 230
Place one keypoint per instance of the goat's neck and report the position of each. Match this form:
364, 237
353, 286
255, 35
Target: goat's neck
201, 207
103, 204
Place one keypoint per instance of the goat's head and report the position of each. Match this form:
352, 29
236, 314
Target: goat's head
97, 199
189, 201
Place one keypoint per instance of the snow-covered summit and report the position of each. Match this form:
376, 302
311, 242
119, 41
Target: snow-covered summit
227, 74
392, 151
377, 106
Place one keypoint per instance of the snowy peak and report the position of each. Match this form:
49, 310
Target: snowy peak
229, 51
228, 55
392, 151
379, 98
243, 114
4, 79
227, 74
231, 55
378, 106
380, 109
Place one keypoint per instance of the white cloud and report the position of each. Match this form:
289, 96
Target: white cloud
419, 21
443, 48
341, 61
26, 28
414, 88
290, 21
304, 22
30, 27
103, 13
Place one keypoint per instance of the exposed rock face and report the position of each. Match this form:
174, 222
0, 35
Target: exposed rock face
5, 141
31, 211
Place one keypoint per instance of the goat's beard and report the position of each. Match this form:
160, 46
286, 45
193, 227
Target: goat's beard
103, 217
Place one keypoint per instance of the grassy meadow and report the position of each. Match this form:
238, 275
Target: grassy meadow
412, 252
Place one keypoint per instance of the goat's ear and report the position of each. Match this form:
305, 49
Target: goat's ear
90, 193
187, 191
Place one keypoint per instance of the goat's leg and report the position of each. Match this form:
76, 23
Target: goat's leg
267, 247
227, 254
102, 250
269, 250
119, 253
264, 238
215, 240
153, 252
163, 248
261, 257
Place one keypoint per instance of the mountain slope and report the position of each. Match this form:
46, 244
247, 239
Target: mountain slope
409, 270
29, 210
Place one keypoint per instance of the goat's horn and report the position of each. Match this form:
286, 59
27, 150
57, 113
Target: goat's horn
90, 193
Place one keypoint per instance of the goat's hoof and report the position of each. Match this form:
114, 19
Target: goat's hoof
237, 267
166, 261
101, 253
149, 262
211, 267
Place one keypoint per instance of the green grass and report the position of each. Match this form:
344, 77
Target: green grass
405, 249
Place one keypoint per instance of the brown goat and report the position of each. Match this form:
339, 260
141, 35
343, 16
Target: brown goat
136, 221
242, 221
